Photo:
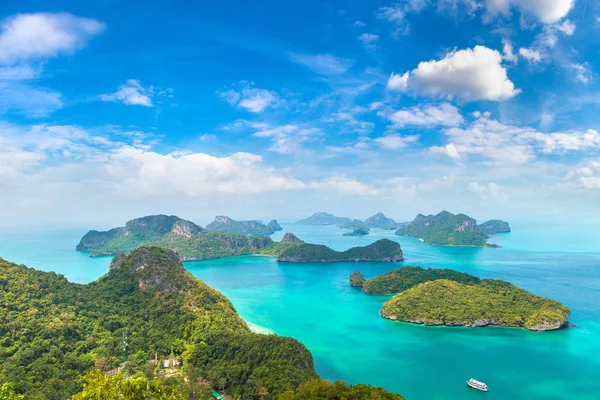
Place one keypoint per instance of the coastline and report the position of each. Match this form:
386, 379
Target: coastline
254, 328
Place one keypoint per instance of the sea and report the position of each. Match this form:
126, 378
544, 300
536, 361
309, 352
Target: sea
341, 326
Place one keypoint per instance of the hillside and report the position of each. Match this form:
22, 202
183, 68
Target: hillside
404, 278
383, 250
189, 240
323, 218
54, 331
446, 229
354, 224
490, 302
358, 232
225, 224
380, 221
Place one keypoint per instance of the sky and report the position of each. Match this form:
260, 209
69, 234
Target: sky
270, 109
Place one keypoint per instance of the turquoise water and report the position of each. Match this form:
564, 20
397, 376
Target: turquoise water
341, 326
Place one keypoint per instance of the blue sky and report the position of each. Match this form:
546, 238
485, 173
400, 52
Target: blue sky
109, 110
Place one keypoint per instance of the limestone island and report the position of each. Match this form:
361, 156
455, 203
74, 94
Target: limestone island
451, 298
354, 224
380, 221
193, 242
274, 226
223, 223
358, 232
323, 218
494, 226
447, 229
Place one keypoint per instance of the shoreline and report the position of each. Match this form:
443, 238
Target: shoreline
254, 328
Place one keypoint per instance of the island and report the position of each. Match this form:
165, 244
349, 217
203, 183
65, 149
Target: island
192, 242
383, 250
380, 221
358, 232
446, 229
223, 223
494, 226
354, 224
489, 302
357, 279
274, 226
404, 278
323, 218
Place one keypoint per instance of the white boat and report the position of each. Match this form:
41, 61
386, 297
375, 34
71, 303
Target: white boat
475, 384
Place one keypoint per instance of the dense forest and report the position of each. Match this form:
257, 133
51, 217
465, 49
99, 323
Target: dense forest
489, 302
382, 250
404, 278
59, 339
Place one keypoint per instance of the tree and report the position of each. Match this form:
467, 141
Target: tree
98, 386
7, 392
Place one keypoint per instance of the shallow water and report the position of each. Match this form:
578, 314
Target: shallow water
341, 326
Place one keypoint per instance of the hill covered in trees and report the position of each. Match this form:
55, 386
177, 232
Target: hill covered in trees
384, 250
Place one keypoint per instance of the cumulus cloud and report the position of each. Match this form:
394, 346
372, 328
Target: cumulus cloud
545, 11
369, 40
323, 64
469, 74
585, 177
396, 142
444, 114
131, 93
398, 82
243, 94
500, 143
43, 35
533, 56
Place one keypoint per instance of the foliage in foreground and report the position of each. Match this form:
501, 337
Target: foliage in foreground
317, 389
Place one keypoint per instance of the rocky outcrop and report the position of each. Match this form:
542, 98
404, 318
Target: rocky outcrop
358, 232
494, 226
357, 279
274, 226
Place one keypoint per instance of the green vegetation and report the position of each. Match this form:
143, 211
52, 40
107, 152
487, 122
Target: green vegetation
380, 221
189, 240
7, 392
382, 250
445, 229
357, 279
494, 226
358, 232
490, 302
54, 331
99, 386
226, 224
404, 278
317, 389
323, 218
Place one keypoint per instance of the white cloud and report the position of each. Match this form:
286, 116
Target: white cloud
396, 142
398, 82
449, 150
567, 27
545, 11
585, 177
324, 64
582, 72
43, 35
469, 74
506, 144
18, 73
344, 184
131, 93
429, 115
508, 51
533, 56
369, 40
396, 14
287, 139
244, 94
359, 24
